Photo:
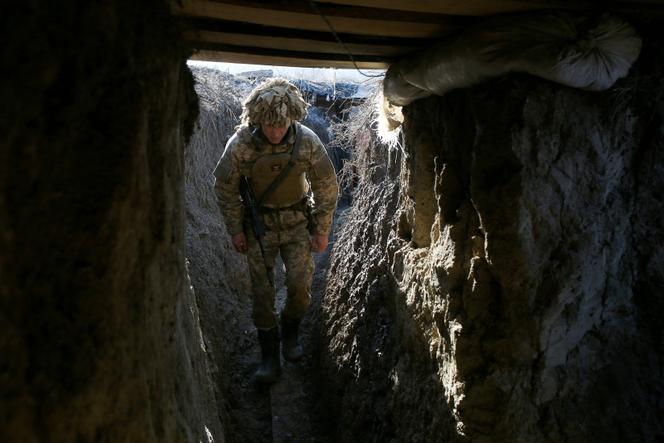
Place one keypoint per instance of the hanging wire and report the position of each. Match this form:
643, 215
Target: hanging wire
341, 43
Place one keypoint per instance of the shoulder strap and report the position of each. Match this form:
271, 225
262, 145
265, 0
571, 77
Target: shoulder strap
284, 172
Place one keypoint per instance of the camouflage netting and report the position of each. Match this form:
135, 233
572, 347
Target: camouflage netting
275, 102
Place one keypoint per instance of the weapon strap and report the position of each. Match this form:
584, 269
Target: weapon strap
284, 172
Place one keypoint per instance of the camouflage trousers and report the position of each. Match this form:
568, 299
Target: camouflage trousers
286, 234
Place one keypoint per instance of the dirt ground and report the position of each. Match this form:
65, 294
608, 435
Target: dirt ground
290, 410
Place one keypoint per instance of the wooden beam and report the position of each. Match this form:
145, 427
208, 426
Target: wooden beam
297, 44
225, 26
467, 7
257, 59
272, 52
312, 22
371, 10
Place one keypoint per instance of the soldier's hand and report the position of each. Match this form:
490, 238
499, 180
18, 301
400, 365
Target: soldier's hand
319, 242
240, 243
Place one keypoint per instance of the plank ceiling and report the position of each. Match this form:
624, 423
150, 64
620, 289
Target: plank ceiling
373, 33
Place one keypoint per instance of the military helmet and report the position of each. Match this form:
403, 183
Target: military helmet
275, 102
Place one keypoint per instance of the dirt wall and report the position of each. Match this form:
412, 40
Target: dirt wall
219, 274
498, 280
99, 331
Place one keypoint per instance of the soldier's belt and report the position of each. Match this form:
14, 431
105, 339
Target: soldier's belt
299, 206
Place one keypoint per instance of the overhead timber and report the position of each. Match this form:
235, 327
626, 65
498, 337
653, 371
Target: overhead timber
366, 34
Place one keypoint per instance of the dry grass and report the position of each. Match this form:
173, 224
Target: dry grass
220, 93
364, 127
353, 135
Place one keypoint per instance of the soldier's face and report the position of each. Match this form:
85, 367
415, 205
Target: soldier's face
274, 133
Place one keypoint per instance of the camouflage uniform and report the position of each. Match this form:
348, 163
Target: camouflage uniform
287, 230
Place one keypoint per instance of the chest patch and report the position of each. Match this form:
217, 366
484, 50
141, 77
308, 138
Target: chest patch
275, 168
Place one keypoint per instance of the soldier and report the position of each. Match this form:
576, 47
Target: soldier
296, 222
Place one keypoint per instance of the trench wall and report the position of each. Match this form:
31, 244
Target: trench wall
99, 332
499, 278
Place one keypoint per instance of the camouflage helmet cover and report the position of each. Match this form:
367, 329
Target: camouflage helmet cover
275, 102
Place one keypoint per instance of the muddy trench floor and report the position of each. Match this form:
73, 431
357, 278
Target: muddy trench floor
289, 410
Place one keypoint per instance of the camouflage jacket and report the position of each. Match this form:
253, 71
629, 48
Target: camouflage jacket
244, 148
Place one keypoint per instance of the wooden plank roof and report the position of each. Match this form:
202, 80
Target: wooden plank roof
341, 33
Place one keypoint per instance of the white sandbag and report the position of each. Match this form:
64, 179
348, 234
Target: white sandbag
581, 52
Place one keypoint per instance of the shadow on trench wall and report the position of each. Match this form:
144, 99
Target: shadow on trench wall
96, 337
510, 269
377, 372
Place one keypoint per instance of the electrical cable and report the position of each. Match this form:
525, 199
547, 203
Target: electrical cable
341, 43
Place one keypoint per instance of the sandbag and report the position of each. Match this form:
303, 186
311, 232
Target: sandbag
581, 52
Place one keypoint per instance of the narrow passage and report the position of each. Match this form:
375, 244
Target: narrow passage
291, 410
298, 414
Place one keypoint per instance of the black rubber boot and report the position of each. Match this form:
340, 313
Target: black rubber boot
291, 348
270, 367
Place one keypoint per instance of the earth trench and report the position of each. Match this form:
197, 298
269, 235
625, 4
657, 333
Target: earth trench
498, 276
